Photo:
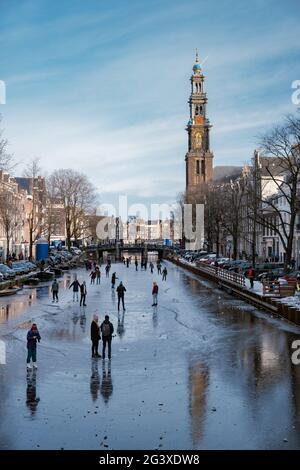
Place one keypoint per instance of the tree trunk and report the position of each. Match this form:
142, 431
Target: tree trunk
235, 243
217, 242
7, 248
68, 237
30, 242
289, 248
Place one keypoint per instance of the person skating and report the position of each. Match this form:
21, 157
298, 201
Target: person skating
107, 269
95, 336
127, 262
107, 330
121, 291
154, 294
75, 284
136, 264
158, 267
98, 275
151, 267
164, 274
113, 280
33, 336
83, 293
54, 290
93, 276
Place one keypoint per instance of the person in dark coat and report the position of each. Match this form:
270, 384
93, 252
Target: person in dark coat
107, 330
121, 291
98, 275
164, 274
107, 269
113, 280
54, 290
33, 336
83, 293
95, 336
75, 284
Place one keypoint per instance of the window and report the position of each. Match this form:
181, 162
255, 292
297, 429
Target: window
203, 167
198, 167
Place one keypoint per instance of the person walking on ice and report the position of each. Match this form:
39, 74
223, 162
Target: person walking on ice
95, 336
154, 294
121, 291
75, 284
54, 290
107, 269
98, 275
113, 280
107, 330
33, 336
164, 274
158, 267
151, 267
83, 293
93, 275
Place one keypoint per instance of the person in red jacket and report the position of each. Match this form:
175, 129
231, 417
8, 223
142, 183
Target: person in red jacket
250, 275
154, 294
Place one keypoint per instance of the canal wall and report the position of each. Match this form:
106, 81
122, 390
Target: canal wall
235, 285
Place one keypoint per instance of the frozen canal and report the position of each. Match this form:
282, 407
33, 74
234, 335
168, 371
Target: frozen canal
201, 371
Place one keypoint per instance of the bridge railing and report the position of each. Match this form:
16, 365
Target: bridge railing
231, 276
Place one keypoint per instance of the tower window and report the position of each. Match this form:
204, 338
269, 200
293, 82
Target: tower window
197, 167
202, 167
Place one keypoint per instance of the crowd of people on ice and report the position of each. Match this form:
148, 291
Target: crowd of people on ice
105, 330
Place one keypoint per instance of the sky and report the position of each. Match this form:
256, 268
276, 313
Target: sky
102, 86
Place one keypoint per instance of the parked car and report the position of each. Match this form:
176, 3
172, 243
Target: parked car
24, 269
208, 259
6, 272
75, 250
271, 275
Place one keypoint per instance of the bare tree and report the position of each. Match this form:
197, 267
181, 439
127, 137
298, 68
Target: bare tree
52, 216
32, 171
10, 216
77, 195
231, 203
282, 143
6, 159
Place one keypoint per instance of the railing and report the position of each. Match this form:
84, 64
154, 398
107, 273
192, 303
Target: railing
125, 246
223, 274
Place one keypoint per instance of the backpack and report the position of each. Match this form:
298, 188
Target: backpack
105, 329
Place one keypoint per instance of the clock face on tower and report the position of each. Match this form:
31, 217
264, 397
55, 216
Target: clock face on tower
199, 119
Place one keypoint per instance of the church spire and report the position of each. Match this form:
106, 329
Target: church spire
197, 66
199, 157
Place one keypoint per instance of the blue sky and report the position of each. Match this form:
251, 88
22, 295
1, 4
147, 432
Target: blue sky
102, 86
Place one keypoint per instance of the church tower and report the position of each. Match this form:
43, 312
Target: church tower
199, 157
